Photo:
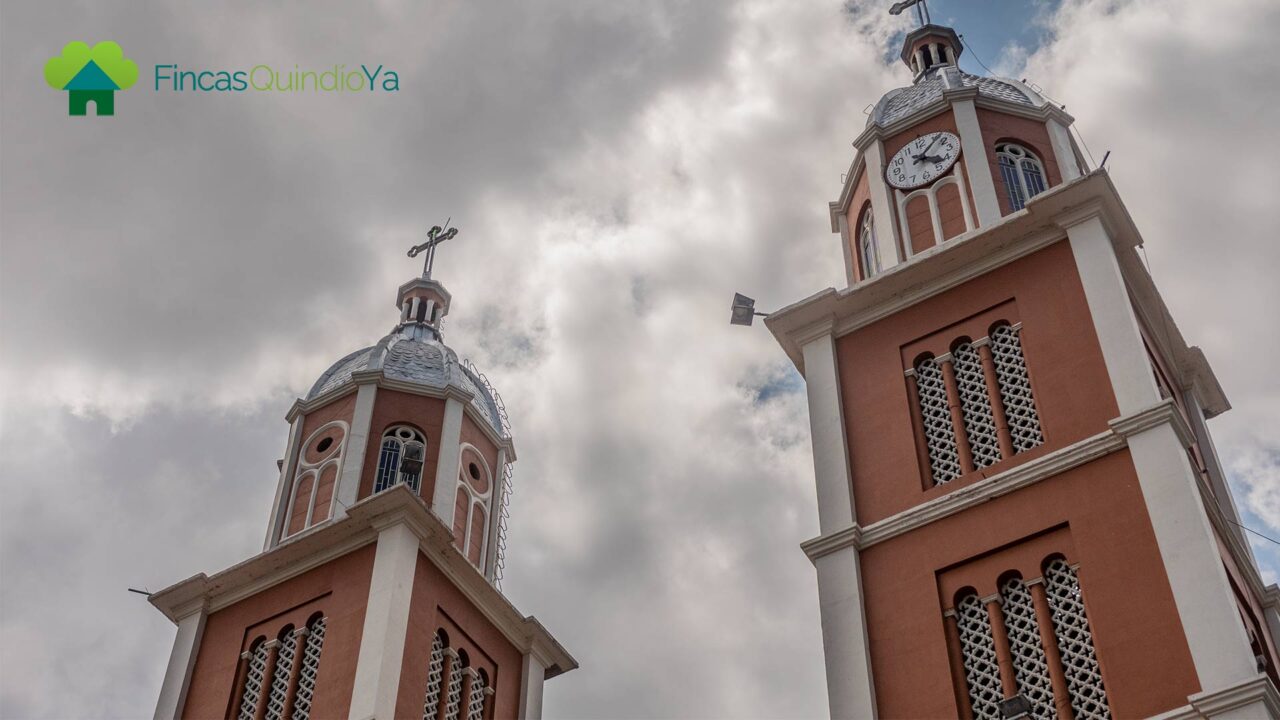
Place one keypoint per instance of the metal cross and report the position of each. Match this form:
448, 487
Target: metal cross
922, 10
435, 236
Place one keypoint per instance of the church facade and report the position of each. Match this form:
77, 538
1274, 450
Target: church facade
1021, 511
376, 592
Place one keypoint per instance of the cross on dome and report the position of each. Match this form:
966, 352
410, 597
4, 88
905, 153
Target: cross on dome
435, 236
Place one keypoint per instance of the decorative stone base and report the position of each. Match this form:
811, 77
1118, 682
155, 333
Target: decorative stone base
1255, 699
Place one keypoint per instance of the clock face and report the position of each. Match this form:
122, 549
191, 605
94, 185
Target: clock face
923, 160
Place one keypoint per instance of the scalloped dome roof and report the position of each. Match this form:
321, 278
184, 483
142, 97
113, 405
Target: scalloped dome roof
414, 353
929, 87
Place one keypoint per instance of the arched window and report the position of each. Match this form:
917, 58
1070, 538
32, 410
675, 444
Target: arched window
867, 249
400, 460
1030, 664
475, 704
935, 411
471, 508
310, 668
255, 680
1022, 173
981, 665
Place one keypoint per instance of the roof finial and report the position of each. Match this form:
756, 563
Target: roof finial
435, 236
922, 10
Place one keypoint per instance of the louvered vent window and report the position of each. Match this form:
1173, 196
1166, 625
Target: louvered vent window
435, 672
1015, 387
996, 420
310, 668
979, 422
1029, 663
944, 460
1067, 661
453, 695
1022, 173
1075, 642
255, 682
273, 688
280, 678
475, 705
981, 669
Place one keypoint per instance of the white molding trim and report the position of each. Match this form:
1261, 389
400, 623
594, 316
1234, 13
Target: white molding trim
348, 489
1252, 699
182, 660
328, 541
1002, 483
498, 490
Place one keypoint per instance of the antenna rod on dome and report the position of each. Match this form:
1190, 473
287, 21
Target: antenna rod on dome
435, 236
922, 10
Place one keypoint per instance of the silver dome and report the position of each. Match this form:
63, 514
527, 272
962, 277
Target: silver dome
414, 353
928, 89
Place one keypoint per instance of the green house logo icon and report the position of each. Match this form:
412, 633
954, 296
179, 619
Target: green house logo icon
91, 75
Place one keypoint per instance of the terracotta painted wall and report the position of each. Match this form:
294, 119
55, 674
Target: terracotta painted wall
997, 126
339, 588
1068, 377
437, 603
391, 407
1096, 515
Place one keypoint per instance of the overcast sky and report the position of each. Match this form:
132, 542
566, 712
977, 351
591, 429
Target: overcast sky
172, 278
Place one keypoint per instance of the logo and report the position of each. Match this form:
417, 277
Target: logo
91, 76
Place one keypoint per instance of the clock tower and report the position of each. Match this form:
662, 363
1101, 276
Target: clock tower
376, 594
1021, 511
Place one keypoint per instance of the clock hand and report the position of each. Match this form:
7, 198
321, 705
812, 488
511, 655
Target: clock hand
924, 154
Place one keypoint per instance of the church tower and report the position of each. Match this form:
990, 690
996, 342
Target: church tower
1021, 511
376, 592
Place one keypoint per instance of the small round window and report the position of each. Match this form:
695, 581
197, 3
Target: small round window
474, 471
324, 444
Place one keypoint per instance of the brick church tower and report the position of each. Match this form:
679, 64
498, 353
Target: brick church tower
1021, 511
376, 592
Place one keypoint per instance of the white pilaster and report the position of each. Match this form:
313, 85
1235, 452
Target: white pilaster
1206, 605
447, 465
1210, 620
881, 206
976, 163
275, 526
386, 624
850, 255
850, 692
1113, 318
826, 424
1063, 152
353, 462
182, 659
532, 676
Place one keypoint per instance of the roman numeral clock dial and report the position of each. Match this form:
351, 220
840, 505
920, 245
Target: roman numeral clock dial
923, 160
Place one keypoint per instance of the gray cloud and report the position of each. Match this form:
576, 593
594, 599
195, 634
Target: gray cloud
170, 279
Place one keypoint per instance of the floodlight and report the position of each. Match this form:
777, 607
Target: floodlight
743, 309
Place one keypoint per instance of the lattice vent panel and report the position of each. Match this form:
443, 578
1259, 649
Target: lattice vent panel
981, 669
1075, 642
979, 421
280, 678
453, 695
310, 668
1015, 389
254, 683
475, 704
1030, 665
435, 671
944, 460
